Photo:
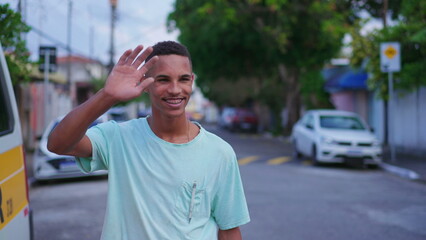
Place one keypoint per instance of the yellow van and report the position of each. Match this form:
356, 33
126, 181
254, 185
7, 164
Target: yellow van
15, 214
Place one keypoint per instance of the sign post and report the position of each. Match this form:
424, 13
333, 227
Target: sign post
47, 57
390, 62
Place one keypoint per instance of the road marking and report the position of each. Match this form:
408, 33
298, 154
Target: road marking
247, 160
279, 160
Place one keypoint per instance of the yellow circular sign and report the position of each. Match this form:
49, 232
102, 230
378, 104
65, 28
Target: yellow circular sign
390, 52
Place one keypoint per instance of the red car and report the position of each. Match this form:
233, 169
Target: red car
238, 119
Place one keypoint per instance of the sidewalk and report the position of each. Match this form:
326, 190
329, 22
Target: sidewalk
412, 168
405, 166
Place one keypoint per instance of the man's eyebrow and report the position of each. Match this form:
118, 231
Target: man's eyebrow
161, 76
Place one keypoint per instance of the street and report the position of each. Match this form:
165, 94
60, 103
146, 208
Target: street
287, 198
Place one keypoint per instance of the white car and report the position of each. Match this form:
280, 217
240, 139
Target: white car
48, 165
332, 136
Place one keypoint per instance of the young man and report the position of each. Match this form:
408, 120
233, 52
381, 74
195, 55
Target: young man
169, 178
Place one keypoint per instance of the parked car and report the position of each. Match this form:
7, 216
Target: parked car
238, 119
48, 165
332, 136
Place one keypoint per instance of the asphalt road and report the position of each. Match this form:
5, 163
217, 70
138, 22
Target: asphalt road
288, 199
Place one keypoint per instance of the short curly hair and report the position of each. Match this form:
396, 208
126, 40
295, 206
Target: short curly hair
169, 48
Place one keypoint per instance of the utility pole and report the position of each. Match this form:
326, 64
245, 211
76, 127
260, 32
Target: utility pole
69, 32
385, 102
113, 19
22, 9
91, 36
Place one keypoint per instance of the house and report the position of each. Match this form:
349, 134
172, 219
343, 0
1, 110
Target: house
35, 110
81, 72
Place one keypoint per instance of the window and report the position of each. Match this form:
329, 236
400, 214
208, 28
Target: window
308, 121
6, 115
341, 122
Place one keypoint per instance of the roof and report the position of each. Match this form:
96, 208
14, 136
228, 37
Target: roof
344, 78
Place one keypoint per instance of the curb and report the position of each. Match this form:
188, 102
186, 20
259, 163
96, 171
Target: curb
401, 172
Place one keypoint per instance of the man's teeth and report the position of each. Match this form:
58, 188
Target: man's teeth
174, 101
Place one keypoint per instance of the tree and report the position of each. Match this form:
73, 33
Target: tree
410, 32
228, 55
279, 40
16, 53
377, 8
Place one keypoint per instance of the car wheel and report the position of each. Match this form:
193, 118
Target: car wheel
314, 158
296, 153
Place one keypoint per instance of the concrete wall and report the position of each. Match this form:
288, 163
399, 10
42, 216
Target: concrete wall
32, 109
408, 120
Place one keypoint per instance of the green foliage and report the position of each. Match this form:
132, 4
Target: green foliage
375, 7
411, 34
97, 83
236, 42
17, 55
313, 95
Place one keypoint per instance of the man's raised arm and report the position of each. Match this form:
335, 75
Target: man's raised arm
125, 82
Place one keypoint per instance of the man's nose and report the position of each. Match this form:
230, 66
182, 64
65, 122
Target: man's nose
174, 87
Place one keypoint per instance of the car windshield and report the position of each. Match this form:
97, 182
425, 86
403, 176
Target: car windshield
341, 122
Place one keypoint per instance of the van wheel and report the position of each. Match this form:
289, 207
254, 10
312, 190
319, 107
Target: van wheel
314, 158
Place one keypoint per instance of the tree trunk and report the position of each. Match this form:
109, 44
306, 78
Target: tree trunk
290, 76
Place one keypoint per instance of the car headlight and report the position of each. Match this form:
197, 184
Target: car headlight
327, 140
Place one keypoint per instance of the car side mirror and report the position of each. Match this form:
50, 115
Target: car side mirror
372, 130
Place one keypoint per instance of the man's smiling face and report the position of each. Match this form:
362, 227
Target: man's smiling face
172, 86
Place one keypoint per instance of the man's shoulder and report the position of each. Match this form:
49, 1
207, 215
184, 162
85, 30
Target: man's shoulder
217, 142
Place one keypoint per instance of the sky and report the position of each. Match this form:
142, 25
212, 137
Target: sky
139, 22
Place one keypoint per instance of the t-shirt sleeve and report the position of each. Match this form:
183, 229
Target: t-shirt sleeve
100, 136
229, 205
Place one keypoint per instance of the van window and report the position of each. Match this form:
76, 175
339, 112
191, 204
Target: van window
6, 116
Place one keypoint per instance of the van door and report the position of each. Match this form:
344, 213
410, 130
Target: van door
15, 219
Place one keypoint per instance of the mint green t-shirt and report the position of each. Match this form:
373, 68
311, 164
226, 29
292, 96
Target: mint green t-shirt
160, 190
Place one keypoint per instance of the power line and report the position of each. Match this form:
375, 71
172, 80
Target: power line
58, 43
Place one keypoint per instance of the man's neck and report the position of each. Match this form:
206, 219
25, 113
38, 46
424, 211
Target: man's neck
171, 129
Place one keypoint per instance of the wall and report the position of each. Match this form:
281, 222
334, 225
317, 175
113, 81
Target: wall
32, 108
408, 122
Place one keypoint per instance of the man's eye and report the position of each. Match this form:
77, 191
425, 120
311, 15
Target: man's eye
162, 80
